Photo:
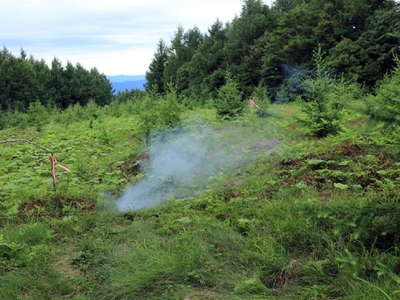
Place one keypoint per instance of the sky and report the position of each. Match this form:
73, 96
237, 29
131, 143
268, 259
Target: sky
115, 36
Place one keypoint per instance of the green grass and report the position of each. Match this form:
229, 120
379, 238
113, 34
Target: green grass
314, 219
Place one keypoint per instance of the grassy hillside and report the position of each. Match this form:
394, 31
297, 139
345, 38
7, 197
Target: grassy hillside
308, 219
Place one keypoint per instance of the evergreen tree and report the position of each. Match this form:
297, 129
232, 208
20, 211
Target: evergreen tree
229, 103
25, 80
183, 46
155, 74
206, 72
257, 45
385, 105
243, 33
371, 56
17, 81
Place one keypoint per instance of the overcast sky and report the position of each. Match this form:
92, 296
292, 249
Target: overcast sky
116, 36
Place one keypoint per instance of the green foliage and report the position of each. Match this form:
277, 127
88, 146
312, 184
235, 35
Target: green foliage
157, 114
317, 218
155, 74
385, 105
125, 96
229, 103
260, 96
257, 46
293, 86
324, 100
322, 108
38, 115
363, 59
23, 81
251, 286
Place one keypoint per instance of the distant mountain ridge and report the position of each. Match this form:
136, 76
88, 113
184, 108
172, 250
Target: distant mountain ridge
122, 83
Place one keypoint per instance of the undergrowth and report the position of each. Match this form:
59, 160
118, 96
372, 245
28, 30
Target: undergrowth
314, 219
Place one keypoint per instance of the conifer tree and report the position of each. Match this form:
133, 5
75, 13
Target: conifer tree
229, 103
385, 105
155, 74
25, 80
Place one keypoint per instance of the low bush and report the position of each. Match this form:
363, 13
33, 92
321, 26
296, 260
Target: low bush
385, 104
324, 101
229, 103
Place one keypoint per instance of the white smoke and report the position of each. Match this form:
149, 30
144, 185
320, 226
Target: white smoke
183, 162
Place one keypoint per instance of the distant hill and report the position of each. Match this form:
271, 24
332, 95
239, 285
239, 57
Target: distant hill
127, 82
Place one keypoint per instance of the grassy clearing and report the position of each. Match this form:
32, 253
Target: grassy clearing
315, 219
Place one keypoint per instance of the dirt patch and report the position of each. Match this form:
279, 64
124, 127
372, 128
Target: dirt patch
346, 163
33, 206
64, 267
266, 145
291, 164
131, 167
357, 122
54, 207
348, 149
289, 273
83, 204
201, 295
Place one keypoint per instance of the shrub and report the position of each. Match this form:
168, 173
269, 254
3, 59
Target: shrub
260, 96
293, 86
322, 108
125, 96
38, 115
324, 100
385, 105
229, 103
158, 113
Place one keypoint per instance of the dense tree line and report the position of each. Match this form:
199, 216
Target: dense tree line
26, 80
267, 46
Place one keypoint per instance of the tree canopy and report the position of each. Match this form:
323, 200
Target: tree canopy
360, 39
26, 80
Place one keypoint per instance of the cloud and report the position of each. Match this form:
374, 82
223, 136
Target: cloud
116, 36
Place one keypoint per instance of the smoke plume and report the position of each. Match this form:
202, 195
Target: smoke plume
185, 161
